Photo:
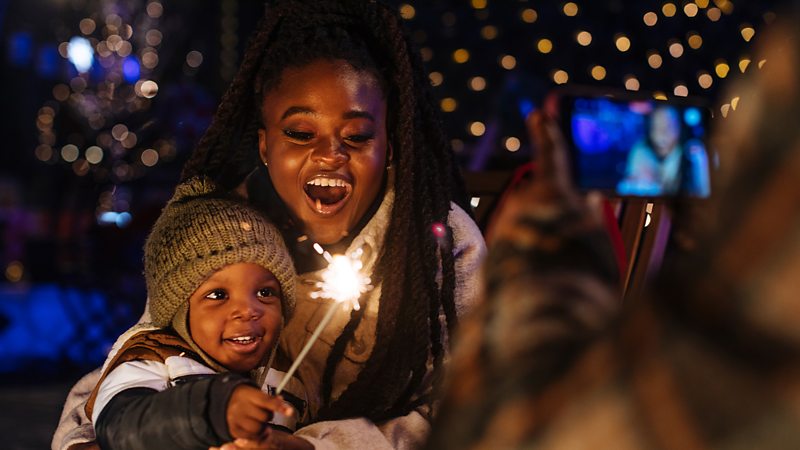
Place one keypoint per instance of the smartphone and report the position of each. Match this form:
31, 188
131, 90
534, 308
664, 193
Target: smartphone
631, 145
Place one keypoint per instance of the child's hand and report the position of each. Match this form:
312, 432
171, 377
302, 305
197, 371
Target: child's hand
249, 410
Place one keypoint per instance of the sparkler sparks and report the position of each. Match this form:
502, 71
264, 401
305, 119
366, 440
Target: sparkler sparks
343, 282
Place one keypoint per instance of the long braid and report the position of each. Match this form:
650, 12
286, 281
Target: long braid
369, 35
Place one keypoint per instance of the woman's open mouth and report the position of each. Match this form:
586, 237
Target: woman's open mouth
327, 194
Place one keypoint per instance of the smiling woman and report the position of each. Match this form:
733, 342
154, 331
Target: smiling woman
324, 143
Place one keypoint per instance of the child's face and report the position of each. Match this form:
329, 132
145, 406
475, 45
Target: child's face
235, 315
324, 140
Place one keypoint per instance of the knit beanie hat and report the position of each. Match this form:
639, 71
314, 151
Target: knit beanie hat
199, 232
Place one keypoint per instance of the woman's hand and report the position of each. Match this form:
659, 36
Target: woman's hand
274, 440
249, 410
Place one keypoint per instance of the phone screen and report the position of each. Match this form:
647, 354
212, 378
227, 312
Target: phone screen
639, 148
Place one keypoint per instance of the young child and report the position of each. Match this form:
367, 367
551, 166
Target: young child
220, 283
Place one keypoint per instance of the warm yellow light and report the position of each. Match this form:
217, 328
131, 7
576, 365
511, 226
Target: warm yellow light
743, 63
747, 33
676, 49
489, 32
654, 60
427, 53
69, 152
623, 43
714, 14
508, 62
724, 109
14, 271
734, 103
598, 72
725, 5
722, 69
669, 9
650, 19
680, 91
529, 15
87, 26
407, 11
560, 76
94, 154
436, 78
570, 9
690, 9
477, 83
149, 157
705, 80
658, 95
477, 128
702, 3
695, 41
584, 38
512, 144
448, 104
631, 83
461, 56
761, 63
545, 45
479, 4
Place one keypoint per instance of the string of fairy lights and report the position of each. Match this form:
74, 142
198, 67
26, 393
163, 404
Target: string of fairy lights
97, 121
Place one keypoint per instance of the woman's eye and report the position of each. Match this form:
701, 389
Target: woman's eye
298, 135
359, 138
268, 292
217, 294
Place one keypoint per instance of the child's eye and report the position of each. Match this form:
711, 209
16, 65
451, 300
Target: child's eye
298, 135
217, 294
268, 292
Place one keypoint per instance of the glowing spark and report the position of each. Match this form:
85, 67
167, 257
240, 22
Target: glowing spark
343, 282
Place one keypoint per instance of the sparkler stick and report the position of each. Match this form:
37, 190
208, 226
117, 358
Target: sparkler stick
343, 282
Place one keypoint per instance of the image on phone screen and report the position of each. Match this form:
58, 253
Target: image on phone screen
640, 148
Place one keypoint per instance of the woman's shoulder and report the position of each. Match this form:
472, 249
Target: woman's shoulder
466, 233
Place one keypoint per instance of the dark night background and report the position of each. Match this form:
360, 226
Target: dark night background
87, 161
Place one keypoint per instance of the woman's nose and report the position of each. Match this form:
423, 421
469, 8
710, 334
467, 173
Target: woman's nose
330, 151
246, 309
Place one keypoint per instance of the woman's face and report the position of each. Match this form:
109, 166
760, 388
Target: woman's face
324, 142
665, 130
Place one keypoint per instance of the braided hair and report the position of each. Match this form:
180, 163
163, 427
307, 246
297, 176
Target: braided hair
369, 35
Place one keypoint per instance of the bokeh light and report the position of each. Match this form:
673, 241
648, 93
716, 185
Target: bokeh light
477, 128
544, 45
622, 42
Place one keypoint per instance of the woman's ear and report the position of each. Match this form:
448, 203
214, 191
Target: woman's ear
262, 145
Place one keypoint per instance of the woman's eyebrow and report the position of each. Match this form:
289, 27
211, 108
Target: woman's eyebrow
357, 114
292, 110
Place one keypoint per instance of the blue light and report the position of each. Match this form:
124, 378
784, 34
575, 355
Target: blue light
47, 62
123, 219
80, 53
525, 107
108, 218
692, 116
20, 48
130, 68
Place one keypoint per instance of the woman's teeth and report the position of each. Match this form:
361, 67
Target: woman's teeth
328, 182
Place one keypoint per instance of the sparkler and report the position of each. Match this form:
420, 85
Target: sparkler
343, 282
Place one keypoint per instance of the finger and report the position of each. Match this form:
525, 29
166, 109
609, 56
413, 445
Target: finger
277, 404
262, 443
552, 161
